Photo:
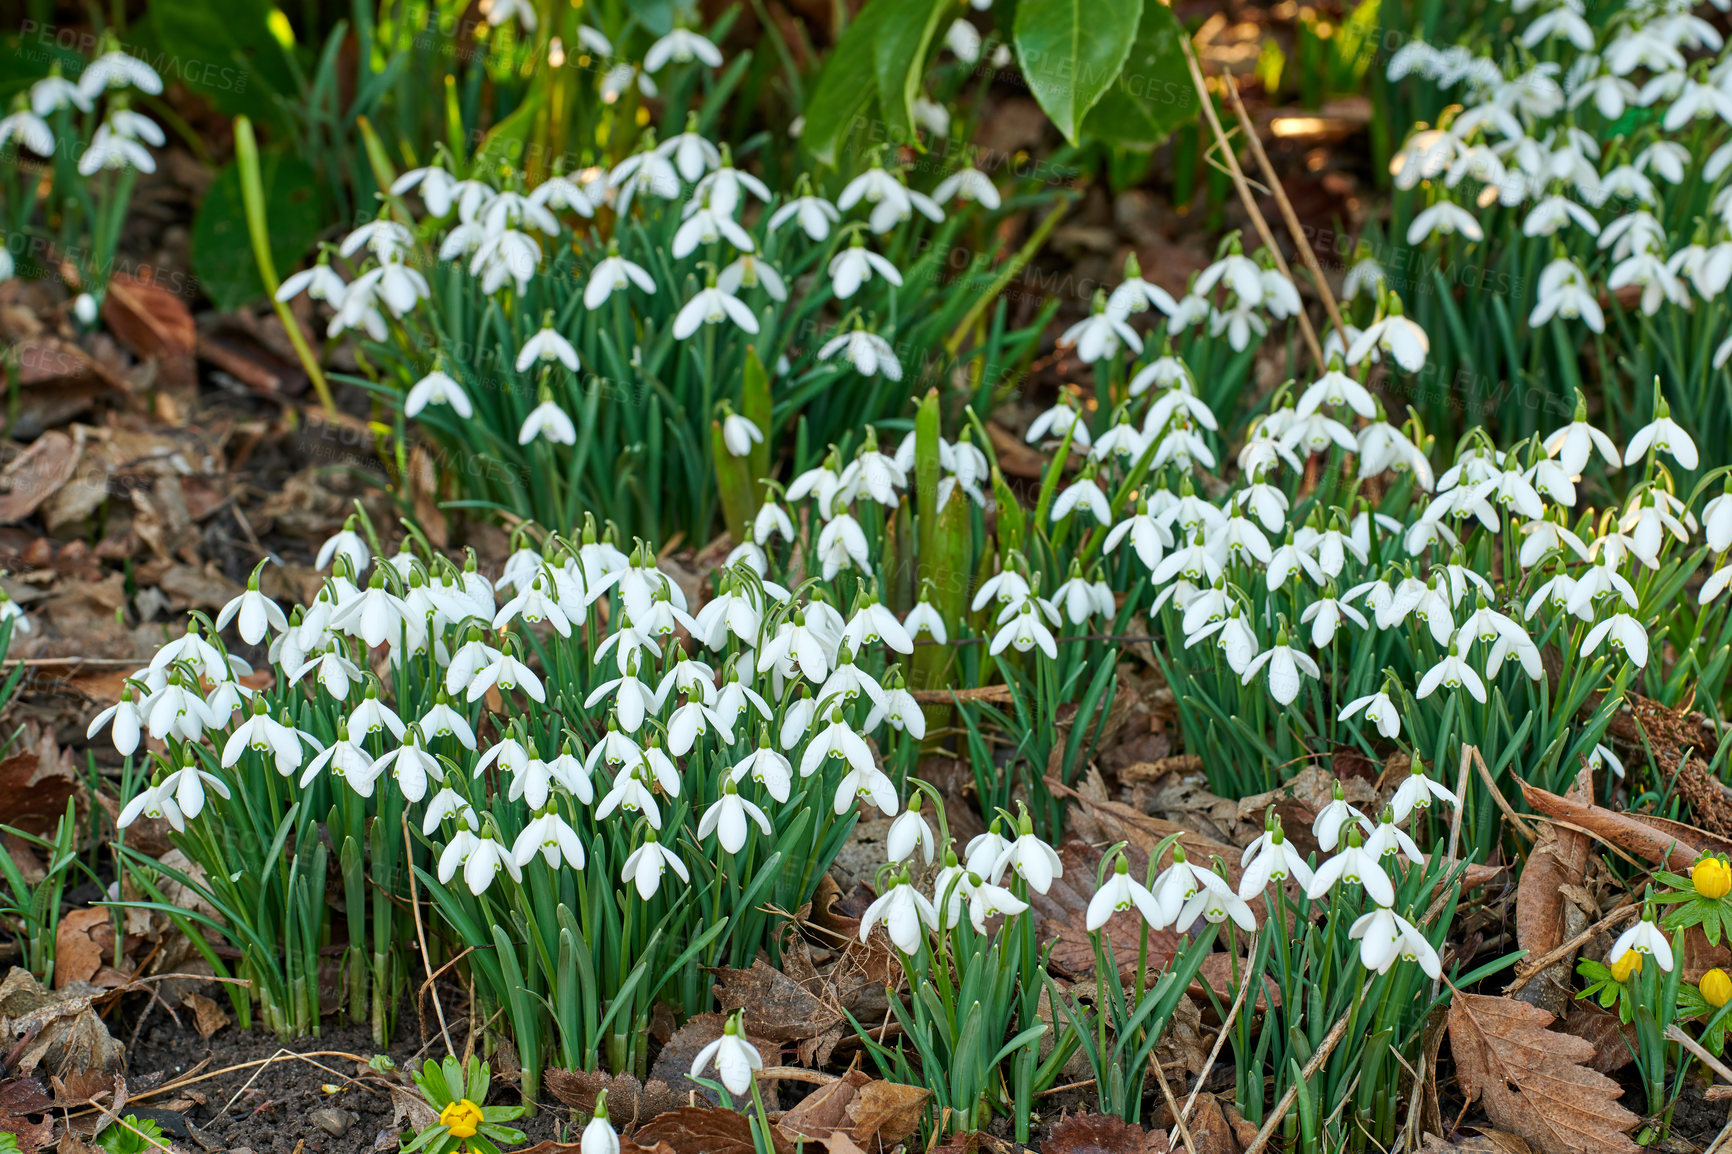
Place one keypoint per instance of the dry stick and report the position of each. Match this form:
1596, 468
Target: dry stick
1540, 964
1673, 1033
1221, 1038
1287, 1099
307, 1058
1720, 1139
1300, 244
1245, 197
1515, 818
1178, 1118
193, 1076
421, 940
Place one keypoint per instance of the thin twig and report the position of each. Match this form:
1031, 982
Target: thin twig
1226, 1026
421, 940
1515, 818
308, 1059
1540, 964
1300, 243
1287, 1099
1677, 1035
1245, 196
1178, 1117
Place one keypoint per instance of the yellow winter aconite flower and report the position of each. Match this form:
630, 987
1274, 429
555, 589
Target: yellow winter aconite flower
1627, 966
462, 1118
1716, 988
1712, 877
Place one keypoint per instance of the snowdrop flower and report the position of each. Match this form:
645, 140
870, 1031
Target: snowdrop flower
1086, 492
644, 868
1377, 709
1030, 858
728, 818
681, 46
1443, 219
1271, 858
909, 832
1121, 892
1100, 333
925, 618
813, 214
115, 69
1327, 825
1645, 938
968, 183
706, 225
612, 274
1385, 936
30, 129
986, 900
892, 201
1417, 792
750, 271
255, 612
1058, 421
1626, 634
1395, 335
346, 760
437, 388
1576, 442
54, 92
1354, 866
869, 353
1453, 672
1387, 840
854, 266
734, 1057
1556, 212
963, 39
127, 720
549, 422
1662, 435
157, 803
903, 911
711, 305
546, 345
113, 146
1025, 631
499, 11
1217, 902
740, 434
1285, 664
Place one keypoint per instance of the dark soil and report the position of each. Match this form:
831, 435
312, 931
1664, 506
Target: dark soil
296, 1097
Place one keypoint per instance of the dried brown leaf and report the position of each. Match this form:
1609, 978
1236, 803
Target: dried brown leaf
776, 1006
629, 1102
65, 1034
1533, 1080
148, 318
887, 1112
1102, 1134
24, 1113
1546, 916
698, 1130
1671, 844
1602, 1030
36, 474
1482, 1142
83, 939
207, 1015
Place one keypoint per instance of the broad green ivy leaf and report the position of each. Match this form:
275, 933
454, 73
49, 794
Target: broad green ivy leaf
1153, 94
846, 86
222, 253
1071, 53
900, 58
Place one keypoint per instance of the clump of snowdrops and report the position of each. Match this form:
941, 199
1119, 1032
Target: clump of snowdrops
579, 341
71, 148
1570, 202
